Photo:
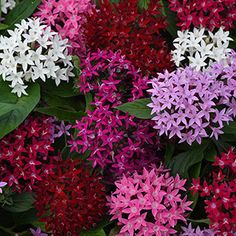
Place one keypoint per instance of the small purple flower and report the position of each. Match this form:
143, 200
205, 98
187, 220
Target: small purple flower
62, 129
190, 231
2, 184
38, 232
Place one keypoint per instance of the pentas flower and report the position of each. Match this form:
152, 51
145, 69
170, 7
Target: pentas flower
207, 13
26, 154
112, 78
138, 37
71, 200
37, 232
150, 203
219, 192
32, 52
67, 17
7, 5
200, 48
191, 104
114, 139
190, 231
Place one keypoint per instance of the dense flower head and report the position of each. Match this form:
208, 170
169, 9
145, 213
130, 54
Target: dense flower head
191, 104
123, 27
67, 17
207, 13
7, 5
150, 203
71, 200
112, 78
32, 52
190, 231
219, 192
26, 153
200, 48
114, 139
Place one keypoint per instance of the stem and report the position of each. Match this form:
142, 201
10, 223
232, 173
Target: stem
7, 230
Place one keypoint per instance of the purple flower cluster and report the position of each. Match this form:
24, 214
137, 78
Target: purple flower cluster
192, 104
150, 203
114, 139
189, 231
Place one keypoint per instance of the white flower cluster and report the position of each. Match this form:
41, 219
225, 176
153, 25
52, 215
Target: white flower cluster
200, 48
7, 5
31, 52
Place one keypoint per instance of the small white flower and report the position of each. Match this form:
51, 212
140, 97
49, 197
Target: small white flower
201, 47
31, 52
7, 5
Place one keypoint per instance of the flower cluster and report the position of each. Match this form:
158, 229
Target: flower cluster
220, 194
192, 104
200, 48
67, 18
190, 231
207, 13
24, 154
33, 52
123, 27
71, 199
7, 5
150, 203
113, 138
2, 184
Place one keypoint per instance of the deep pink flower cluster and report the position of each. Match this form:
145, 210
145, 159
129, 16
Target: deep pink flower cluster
186, 103
150, 203
112, 78
24, 153
113, 138
207, 13
220, 194
67, 17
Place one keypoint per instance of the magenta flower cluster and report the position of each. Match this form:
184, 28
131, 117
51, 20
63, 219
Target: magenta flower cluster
150, 203
192, 104
113, 138
67, 17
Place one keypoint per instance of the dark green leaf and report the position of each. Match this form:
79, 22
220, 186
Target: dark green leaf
98, 232
21, 202
194, 171
137, 108
61, 114
88, 100
183, 161
22, 11
205, 221
143, 4
170, 148
25, 218
171, 18
210, 153
14, 110
62, 90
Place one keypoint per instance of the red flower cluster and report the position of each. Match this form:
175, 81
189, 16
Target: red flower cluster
24, 153
221, 194
71, 200
123, 27
206, 13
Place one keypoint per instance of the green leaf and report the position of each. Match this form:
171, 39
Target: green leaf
171, 18
3, 26
143, 4
137, 108
194, 171
210, 153
22, 11
98, 232
169, 151
183, 161
62, 90
61, 114
21, 202
88, 100
204, 221
14, 110
25, 218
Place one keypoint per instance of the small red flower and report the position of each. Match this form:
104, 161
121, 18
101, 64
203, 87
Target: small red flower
70, 199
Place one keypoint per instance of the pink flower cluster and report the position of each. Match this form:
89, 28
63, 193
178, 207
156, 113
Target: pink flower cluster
113, 138
207, 13
150, 203
24, 153
67, 17
187, 103
220, 194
